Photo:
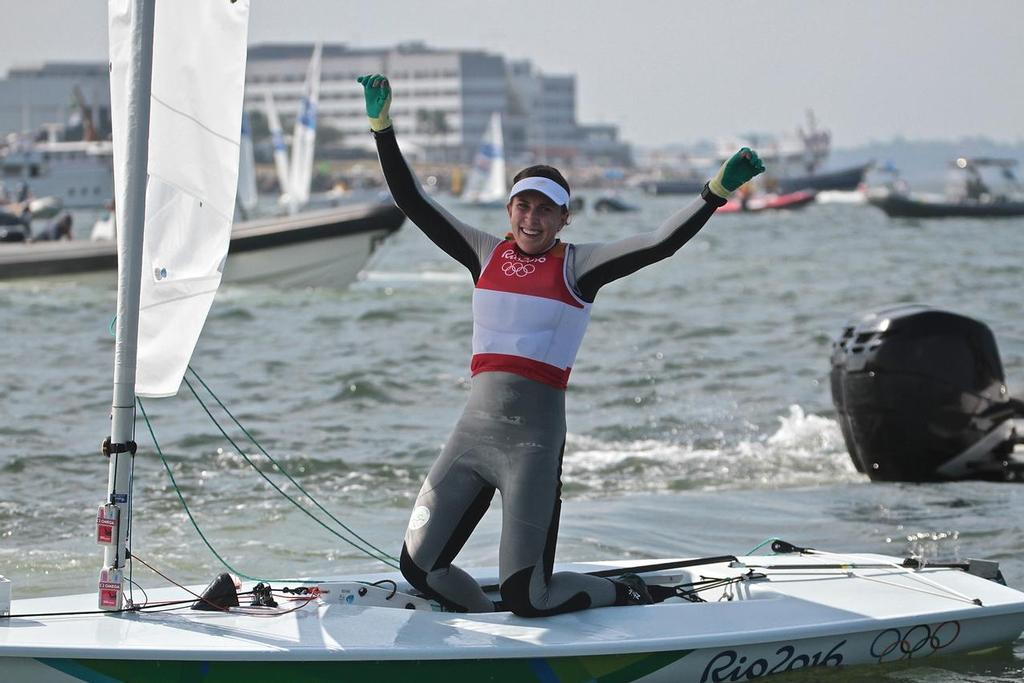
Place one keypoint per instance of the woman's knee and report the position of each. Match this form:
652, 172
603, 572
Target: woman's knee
413, 573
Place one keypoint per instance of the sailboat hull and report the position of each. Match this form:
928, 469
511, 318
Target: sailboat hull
318, 248
797, 616
719, 663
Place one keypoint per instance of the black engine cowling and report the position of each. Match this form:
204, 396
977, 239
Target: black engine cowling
915, 387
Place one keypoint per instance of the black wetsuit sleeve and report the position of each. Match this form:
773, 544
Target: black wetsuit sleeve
597, 264
465, 244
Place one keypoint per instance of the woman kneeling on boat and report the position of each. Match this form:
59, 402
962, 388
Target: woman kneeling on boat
531, 304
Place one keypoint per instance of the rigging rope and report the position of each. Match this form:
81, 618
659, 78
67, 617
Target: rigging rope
181, 498
195, 524
945, 591
848, 563
377, 554
770, 539
370, 549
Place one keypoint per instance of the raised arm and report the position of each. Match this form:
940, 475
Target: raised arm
597, 264
465, 244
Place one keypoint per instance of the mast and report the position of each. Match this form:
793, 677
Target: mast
129, 275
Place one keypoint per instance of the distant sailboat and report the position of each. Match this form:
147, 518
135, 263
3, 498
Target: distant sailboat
486, 184
247, 194
280, 149
304, 136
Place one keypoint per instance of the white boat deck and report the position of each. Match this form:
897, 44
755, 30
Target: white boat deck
786, 606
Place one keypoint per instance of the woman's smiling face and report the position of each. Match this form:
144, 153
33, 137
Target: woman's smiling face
535, 221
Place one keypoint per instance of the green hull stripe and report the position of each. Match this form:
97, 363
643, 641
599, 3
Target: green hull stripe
591, 669
82, 670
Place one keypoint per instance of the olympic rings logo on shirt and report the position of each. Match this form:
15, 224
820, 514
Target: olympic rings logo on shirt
511, 268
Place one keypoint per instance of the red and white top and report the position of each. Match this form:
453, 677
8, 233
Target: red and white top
526, 318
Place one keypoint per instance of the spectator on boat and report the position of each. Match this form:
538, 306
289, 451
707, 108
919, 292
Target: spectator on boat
531, 303
57, 229
975, 186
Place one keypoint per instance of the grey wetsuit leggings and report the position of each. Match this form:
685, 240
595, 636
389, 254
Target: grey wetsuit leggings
510, 439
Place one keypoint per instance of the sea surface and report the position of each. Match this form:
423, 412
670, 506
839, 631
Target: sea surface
699, 414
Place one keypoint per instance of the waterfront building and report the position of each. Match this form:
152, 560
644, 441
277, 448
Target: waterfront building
444, 100
34, 97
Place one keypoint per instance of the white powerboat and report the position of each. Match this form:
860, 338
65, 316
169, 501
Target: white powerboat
324, 248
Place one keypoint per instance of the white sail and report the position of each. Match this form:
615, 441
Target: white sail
304, 135
247, 192
280, 149
198, 79
486, 183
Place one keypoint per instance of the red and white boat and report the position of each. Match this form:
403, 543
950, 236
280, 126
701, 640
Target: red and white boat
765, 202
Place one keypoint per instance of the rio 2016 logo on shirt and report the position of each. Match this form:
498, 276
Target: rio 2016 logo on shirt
513, 256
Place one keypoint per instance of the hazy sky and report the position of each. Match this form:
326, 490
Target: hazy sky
674, 70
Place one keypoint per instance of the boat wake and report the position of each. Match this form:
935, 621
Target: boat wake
805, 450
388, 277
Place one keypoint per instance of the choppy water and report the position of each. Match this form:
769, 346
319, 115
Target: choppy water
699, 414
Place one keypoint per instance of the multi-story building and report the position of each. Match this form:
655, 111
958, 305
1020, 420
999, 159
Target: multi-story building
34, 97
545, 108
444, 100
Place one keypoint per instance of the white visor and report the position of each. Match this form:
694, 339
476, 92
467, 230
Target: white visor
548, 188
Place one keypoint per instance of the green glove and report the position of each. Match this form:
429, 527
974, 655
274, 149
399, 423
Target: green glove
377, 92
740, 167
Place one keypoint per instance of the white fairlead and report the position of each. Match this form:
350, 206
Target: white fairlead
549, 188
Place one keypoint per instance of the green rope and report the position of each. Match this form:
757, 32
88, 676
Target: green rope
375, 552
188, 512
282, 470
370, 549
762, 544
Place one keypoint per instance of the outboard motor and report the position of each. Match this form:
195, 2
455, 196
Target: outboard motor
920, 396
